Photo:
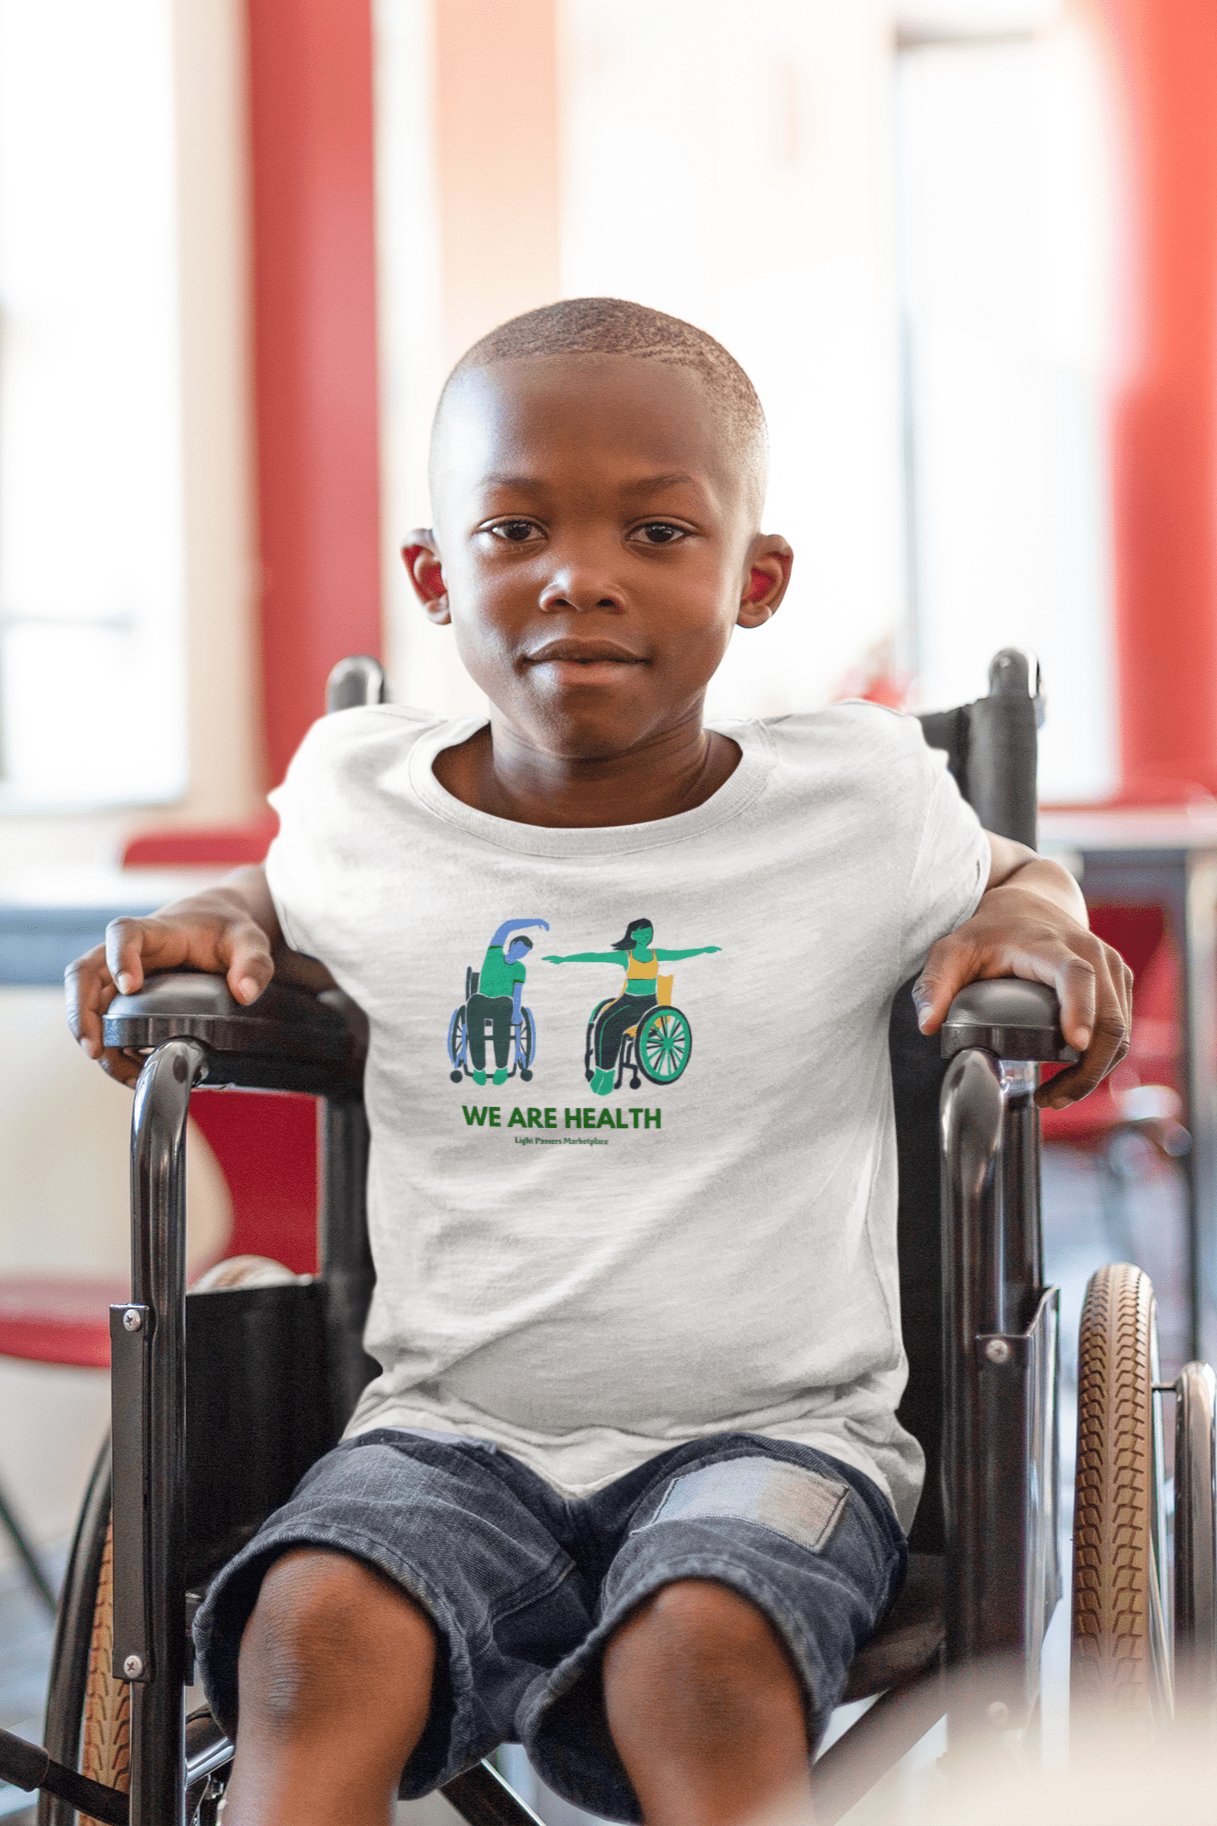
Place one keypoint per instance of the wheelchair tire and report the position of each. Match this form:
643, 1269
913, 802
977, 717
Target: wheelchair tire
457, 1041
1120, 1659
526, 1045
663, 1044
70, 1658
105, 1737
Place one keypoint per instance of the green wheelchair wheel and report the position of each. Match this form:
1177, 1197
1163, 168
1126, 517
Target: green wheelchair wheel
664, 1043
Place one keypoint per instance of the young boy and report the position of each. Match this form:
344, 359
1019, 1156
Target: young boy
630, 1488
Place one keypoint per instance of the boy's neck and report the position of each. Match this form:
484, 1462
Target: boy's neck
499, 773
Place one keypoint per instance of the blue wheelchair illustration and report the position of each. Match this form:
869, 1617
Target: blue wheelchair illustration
523, 1036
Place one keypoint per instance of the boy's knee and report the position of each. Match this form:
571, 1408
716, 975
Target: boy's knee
695, 1637
327, 1628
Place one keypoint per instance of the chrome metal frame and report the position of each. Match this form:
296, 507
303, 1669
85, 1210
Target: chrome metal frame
1195, 1535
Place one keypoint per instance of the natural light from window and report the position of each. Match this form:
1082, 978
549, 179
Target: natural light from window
91, 677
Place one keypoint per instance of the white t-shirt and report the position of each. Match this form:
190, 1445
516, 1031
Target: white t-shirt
584, 1279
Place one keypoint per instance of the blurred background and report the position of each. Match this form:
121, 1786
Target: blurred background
966, 249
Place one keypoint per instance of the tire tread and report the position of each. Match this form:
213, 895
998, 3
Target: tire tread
1113, 1523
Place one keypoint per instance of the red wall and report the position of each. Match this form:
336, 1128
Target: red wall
1164, 427
310, 95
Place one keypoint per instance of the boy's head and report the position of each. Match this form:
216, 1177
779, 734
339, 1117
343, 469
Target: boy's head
607, 327
597, 473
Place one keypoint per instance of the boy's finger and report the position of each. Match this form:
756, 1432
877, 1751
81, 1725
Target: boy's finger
125, 940
87, 992
250, 965
1075, 982
119, 1065
1108, 1045
948, 967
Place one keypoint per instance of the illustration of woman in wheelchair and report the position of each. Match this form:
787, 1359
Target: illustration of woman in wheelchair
495, 994
637, 1030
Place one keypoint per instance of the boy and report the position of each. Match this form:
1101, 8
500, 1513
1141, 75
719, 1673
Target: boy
630, 1488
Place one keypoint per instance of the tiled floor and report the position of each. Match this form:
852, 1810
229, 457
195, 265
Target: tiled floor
26, 1631
1093, 1214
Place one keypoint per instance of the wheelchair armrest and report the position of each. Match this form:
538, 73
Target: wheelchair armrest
1010, 1017
289, 1039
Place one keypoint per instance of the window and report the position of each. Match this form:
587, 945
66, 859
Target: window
1003, 170
91, 671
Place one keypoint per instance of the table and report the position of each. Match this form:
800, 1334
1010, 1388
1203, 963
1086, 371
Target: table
1167, 858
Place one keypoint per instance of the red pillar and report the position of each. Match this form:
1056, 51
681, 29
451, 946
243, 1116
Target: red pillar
1164, 430
314, 272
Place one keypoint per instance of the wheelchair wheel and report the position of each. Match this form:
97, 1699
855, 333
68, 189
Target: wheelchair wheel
456, 1045
72, 1657
589, 1064
1120, 1655
526, 1044
663, 1045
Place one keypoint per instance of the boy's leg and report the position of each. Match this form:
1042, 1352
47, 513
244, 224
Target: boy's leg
335, 1684
745, 1574
705, 1709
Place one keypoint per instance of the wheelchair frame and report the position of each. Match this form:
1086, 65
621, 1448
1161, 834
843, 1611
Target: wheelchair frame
630, 1055
526, 1026
999, 1446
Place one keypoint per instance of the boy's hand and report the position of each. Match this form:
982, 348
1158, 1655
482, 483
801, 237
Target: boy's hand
1027, 925
230, 932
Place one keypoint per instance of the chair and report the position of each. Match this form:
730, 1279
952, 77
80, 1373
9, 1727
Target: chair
192, 1415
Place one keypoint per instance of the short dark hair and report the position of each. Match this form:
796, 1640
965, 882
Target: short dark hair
517, 938
615, 326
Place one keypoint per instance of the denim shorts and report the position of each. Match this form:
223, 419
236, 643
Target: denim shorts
525, 1586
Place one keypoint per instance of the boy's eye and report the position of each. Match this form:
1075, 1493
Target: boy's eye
660, 532
516, 532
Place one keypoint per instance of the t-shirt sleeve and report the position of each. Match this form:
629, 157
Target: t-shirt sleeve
295, 871
950, 870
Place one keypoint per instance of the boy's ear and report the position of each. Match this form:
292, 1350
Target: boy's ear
767, 574
420, 555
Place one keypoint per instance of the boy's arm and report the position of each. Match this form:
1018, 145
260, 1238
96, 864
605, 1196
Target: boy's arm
232, 930
1032, 922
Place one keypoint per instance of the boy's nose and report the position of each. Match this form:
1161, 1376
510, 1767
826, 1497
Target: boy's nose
579, 588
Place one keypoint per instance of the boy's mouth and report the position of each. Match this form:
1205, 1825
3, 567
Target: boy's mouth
586, 662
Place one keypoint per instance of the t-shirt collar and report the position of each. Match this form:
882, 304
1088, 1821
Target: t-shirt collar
734, 796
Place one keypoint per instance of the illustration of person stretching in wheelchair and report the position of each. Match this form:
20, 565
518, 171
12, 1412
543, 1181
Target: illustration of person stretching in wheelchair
637, 1030
495, 994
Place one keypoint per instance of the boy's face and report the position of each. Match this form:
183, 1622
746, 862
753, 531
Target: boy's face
595, 544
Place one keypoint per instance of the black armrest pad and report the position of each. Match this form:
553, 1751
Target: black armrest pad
289, 1039
1010, 1017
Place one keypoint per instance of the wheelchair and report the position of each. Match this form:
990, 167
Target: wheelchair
658, 1046
523, 1037
221, 1399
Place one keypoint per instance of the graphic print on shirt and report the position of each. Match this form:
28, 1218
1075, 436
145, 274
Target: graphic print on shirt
637, 1030
494, 994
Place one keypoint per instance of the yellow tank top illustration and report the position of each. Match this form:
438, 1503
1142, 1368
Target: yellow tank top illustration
638, 972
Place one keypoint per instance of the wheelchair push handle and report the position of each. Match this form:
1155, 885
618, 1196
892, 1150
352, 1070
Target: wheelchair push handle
1010, 1018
